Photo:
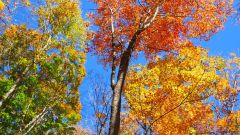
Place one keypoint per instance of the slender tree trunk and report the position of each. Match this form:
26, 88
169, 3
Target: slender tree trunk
13, 88
6, 95
123, 68
35, 121
117, 89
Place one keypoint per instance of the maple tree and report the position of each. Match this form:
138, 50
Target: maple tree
174, 95
127, 27
41, 66
165, 97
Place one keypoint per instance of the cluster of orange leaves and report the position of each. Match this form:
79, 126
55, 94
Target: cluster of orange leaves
175, 21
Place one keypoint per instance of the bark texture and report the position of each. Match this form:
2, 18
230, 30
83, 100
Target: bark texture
117, 89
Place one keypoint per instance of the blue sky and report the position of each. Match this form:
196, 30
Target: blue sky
225, 41
222, 43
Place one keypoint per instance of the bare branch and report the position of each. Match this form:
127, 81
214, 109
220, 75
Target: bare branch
152, 19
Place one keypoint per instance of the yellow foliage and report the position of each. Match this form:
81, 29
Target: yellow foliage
2, 5
165, 94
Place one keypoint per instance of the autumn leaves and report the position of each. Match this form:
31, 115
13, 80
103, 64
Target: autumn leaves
42, 66
180, 90
171, 94
168, 84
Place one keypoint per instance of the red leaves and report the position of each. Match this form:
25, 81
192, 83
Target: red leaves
175, 21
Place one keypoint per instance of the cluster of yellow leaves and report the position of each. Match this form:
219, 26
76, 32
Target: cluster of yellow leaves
167, 94
229, 81
2, 5
64, 18
16, 42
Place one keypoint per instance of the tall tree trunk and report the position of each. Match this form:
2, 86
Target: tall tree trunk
117, 89
123, 68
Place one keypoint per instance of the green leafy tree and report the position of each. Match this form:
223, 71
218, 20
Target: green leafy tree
41, 67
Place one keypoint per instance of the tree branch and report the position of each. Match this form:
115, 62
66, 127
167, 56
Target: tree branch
13, 88
146, 25
181, 103
113, 52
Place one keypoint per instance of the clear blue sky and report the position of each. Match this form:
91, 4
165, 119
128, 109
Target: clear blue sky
222, 43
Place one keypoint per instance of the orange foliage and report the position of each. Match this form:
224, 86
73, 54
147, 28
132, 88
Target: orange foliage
230, 124
175, 21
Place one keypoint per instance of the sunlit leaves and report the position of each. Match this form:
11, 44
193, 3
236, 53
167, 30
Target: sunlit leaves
63, 18
167, 95
2, 5
184, 93
43, 67
175, 21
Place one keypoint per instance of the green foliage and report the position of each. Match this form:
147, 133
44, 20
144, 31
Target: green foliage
43, 67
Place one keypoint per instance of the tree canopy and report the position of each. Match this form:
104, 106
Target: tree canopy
161, 81
172, 95
42, 66
125, 28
